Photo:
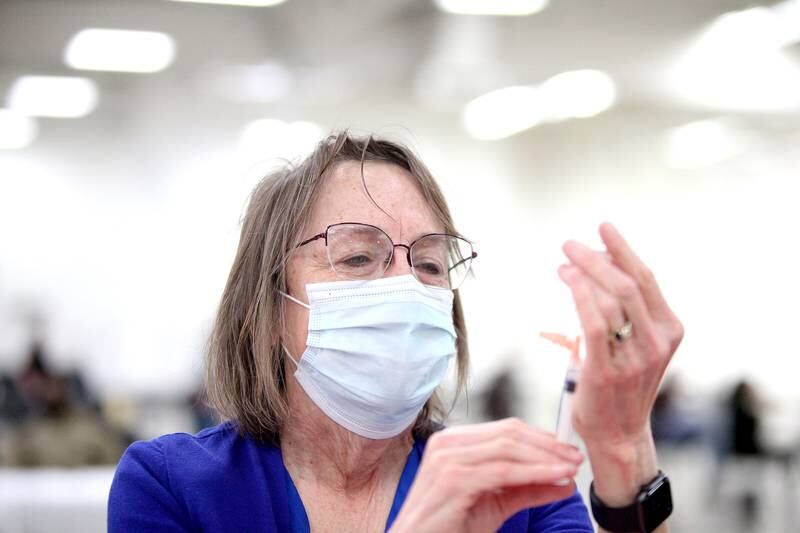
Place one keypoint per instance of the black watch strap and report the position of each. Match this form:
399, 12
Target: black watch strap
652, 506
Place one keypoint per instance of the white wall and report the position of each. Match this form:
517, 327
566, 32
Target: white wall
127, 248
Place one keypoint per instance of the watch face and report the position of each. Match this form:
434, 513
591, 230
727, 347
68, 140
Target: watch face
656, 505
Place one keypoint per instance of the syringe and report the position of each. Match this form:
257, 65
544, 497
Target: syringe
564, 432
564, 421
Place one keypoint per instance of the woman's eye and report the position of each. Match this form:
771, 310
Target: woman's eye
429, 268
357, 261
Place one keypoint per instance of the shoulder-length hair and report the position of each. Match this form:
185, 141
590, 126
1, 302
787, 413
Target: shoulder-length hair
245, 374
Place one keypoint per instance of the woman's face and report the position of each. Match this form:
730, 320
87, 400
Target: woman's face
343, 199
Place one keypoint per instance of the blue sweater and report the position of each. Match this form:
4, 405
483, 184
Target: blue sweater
220, 481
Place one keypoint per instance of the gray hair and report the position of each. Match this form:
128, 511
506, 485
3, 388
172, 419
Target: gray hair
245, 374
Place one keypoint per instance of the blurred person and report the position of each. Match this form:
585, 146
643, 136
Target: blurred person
202, 414
12, 406
500, 398
744, 445
12, 411
67, 437
36, 384
59, 425
671, 423
336, 326
744, 411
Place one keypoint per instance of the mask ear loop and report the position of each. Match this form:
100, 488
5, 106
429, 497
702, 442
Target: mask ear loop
295, 300
298, 302
289, 355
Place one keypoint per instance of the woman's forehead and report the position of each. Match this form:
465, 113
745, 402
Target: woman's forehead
401, 209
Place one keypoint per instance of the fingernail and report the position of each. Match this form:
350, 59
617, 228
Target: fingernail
569, 469
563, 482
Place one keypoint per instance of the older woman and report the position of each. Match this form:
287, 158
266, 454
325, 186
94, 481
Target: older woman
338, 323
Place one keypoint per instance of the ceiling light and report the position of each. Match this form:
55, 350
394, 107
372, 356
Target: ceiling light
16, 130
119, 50
492, 7
788, 19
505, 112
52, 96
700, 144
502, 113
724, 71
251, 3
576, 94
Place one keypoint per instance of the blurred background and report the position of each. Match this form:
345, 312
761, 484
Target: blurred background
132, 131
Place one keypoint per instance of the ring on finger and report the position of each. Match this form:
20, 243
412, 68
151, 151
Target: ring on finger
622, 333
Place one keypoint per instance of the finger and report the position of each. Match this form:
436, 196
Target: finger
504, 449
513, 428
630, 263
515, 499
575, 353
613, 280
615, 317
627, 359
501, 474
594, 324
608, 305
611, 309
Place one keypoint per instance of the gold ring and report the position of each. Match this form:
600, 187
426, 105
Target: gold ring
622, 333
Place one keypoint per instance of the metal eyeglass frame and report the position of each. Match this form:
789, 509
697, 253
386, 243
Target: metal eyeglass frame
408, 247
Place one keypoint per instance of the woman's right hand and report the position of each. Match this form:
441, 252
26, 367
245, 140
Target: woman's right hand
473, 478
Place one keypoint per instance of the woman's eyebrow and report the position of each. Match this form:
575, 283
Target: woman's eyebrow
432, 232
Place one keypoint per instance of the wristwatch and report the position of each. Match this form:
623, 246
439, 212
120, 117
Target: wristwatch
652, 506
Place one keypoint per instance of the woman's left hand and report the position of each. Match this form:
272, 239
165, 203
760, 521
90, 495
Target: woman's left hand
620, 379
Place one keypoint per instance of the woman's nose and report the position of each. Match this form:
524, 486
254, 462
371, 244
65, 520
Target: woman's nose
400, 263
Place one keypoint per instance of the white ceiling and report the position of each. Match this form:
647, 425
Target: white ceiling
352, 63
376, 49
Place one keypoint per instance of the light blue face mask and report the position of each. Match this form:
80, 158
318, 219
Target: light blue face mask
376, 351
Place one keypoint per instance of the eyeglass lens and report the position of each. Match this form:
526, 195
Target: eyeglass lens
359, 251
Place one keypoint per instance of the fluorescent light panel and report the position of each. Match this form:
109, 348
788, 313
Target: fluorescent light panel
723, 70
492, 7
788, 20
119, 50
700, 144
52, 96
505, 112
16, 130
577, 94
502, 113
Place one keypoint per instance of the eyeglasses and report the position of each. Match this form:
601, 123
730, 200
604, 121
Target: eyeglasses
362, 251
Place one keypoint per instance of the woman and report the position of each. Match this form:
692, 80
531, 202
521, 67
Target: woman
337, 324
